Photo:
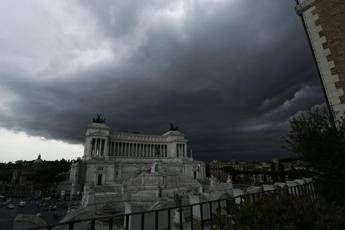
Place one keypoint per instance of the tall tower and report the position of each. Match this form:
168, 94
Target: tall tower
324, 21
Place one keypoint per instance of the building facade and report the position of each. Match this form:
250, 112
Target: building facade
101, 144
217, 168
324, 21
135, 168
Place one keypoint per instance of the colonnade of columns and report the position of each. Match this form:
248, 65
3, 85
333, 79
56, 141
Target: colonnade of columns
97, 146
128, 149
181, 150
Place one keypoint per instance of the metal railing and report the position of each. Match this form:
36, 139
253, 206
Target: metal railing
192, 216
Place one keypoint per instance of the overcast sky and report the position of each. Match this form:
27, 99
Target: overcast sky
229, 73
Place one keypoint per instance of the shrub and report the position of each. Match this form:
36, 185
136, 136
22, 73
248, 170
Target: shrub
282, 212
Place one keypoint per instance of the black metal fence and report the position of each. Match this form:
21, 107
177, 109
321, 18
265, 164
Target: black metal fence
201, 215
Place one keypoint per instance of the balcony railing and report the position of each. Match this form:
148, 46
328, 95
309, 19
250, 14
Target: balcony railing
193, 216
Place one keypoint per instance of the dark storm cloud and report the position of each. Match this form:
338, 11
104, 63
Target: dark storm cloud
229, 75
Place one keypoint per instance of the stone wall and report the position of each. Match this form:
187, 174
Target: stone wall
332, 19
325, 22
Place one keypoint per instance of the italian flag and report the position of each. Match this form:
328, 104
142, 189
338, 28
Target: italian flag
153, 169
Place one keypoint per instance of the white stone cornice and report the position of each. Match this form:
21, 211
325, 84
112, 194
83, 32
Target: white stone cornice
304, 5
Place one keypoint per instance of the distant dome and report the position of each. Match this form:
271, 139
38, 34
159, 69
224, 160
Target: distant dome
38, 160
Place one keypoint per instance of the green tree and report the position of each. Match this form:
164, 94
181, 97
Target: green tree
320, 142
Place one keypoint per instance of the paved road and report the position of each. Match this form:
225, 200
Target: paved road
7, 215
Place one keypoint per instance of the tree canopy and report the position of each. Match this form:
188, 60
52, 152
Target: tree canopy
320, 142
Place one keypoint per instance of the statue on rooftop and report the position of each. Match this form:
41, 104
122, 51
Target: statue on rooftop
98, 119
172, 127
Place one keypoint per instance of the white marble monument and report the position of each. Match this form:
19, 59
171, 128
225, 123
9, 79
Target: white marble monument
135, 168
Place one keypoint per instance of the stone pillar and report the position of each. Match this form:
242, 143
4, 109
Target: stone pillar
148, 150
90, 144
115, 148
118, 149
128, 209
101, 152
142, 150
110, 148
94, 147
132, 150
177, 150
97, 146
135, 149
106, 148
